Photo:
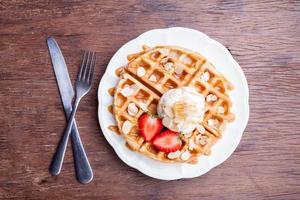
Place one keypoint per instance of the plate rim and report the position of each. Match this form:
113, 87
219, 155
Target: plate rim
167, 176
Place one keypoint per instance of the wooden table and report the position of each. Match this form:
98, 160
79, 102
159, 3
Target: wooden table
264, 37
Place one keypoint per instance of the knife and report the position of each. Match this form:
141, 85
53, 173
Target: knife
83, 169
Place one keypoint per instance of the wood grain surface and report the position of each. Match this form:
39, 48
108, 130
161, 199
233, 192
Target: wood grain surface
263, 36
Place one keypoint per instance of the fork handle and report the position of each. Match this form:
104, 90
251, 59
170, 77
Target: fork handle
59, 155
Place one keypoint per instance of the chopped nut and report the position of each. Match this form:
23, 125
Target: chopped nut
221, 109
126, 127
141, 71
201, 129
185, 155
218, 88
204, 77
132, 109
152, 78
174, 155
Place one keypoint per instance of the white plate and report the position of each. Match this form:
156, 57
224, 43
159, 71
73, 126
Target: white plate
223, 61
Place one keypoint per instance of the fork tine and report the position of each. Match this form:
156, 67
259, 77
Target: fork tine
91, 70
84, 75
82, 66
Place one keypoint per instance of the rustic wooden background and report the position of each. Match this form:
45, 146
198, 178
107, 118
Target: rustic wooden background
263, 36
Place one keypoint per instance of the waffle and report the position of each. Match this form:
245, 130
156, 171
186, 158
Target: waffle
152, 72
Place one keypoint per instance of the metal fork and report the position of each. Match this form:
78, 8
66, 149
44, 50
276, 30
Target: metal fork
83, 85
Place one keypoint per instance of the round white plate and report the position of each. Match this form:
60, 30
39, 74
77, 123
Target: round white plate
224, 63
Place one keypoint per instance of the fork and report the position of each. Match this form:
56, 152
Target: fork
83, 86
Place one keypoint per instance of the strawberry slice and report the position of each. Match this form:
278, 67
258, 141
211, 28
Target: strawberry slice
167, 141
149, 126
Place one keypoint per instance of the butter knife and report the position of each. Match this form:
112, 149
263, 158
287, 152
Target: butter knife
83, 169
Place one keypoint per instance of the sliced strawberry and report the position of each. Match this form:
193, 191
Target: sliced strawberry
167, 141
149, 126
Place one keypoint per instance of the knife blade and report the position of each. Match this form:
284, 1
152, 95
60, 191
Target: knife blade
82, 166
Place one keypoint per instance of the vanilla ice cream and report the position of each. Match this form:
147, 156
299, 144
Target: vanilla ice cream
181, 109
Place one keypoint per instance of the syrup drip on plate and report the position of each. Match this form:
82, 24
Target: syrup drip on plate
114, 128
111, 91
110, 109
119, 71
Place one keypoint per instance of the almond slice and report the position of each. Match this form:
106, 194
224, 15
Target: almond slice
132, 109
134, 88
185, 59
164, 51
210, 122
201, 129
211, 97
221, 110
191, 145
174, 54
216, 122
214, 97
213, 123
141, 71
204, 77
143, 106
126, 127
168, 66
208, 98
179, 68
127, 91
152, 78
174, 155
185, 155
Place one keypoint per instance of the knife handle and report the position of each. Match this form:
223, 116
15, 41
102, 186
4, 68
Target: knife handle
83, 168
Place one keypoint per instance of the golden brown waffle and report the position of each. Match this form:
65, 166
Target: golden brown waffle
152, 72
